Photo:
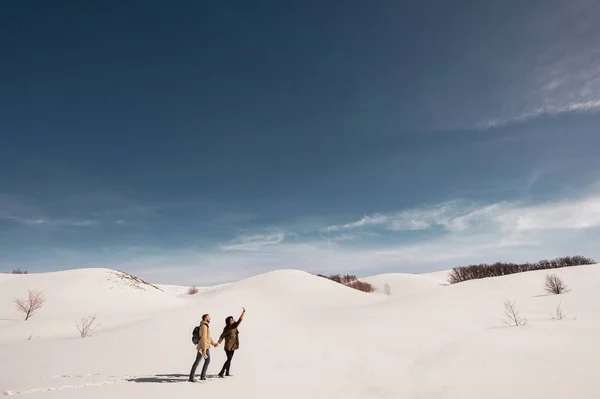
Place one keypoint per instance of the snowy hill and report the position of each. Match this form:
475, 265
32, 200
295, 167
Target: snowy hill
114, 297
304, 337
404, 284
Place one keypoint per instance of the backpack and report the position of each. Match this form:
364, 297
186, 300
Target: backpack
196, 335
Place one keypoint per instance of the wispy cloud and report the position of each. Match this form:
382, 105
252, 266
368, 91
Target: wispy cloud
319, 256
323, 257
58, 222
254, 242
407, 220
511, 231
23, 212
462, 232
74, 211
375, 219
546, 110
460, 216
564, 84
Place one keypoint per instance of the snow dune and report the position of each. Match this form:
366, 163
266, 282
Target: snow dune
304, 337
405, 284
114, 297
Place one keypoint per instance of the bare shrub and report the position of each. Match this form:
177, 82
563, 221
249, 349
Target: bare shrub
512, 315
31, 304
192, 290
361, 286
348, 279
455, 276
464, 273
559, 315
133, 281
86, 326
351, 281
555, 285
345, 279
19, 271
387, 290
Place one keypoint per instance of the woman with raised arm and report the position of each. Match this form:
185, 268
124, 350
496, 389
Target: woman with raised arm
232, 343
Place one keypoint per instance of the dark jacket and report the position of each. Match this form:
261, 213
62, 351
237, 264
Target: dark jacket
231, 336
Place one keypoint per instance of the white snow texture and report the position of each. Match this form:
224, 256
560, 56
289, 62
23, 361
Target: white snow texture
304, 337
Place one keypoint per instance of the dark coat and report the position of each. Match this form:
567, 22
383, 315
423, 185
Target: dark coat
231, 336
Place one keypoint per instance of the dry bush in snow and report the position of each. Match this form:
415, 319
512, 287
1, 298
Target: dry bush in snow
19, 271
192, 290
361, 286
350, 280
387, 289
559, 315
133, 281
86, 326
345, 279
512, 314
28, 306
555, 285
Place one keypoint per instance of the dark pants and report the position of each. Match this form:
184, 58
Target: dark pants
227, 364
204, 367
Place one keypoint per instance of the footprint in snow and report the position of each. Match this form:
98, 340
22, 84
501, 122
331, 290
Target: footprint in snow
62, 388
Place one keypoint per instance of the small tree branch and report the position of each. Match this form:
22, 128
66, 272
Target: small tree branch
511, 312
28, 306
85, 326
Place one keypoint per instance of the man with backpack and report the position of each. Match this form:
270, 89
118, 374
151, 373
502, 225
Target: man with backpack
201, 338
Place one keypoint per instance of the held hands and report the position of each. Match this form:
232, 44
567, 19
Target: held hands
216, 344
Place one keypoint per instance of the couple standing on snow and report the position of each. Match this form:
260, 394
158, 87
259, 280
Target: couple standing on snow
232, 343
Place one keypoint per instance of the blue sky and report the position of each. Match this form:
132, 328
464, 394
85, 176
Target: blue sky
202, 142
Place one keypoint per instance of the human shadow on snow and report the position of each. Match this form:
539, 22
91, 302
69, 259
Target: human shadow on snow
165, 378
